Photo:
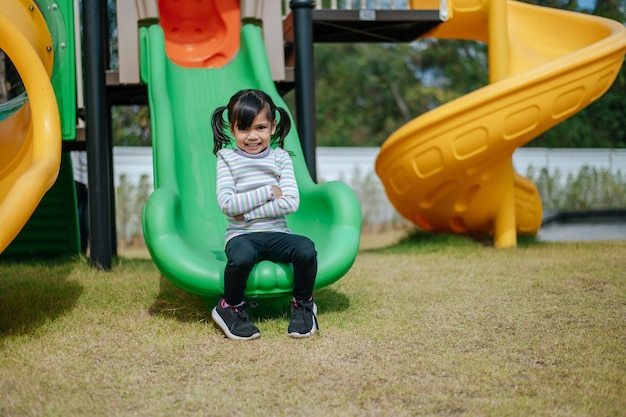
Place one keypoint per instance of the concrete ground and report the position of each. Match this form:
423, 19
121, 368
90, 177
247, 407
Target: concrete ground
590, 225
556, 232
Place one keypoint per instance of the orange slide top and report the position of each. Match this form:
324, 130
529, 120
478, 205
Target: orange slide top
200, 33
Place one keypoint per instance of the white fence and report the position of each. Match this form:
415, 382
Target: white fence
355, 166
343, 163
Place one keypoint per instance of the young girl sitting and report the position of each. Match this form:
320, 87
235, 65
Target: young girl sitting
256, 189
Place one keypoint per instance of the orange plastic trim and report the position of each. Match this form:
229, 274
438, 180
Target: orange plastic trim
200, 33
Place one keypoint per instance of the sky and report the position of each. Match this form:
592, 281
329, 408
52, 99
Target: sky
586, 4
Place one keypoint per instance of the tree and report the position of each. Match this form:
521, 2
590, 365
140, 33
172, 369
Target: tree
601, 124
366, 91
131, 126
377, 92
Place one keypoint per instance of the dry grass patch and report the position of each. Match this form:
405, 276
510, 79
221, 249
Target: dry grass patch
430, 326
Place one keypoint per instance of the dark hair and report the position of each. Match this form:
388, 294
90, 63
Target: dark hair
242, 108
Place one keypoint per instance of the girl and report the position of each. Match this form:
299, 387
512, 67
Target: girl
256, 189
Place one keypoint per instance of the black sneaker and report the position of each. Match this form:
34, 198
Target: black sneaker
234, 322
303, 319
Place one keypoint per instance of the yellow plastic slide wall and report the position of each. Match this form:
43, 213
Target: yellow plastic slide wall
450, 170
30, 138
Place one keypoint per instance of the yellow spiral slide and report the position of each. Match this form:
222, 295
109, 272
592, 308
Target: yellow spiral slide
450, 170
30, 137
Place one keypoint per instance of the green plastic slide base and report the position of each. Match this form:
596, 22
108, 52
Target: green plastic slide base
183, 226
60, 20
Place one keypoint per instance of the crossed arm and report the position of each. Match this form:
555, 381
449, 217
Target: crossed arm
266, 201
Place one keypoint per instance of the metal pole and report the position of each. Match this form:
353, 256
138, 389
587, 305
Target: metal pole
112, 222
305, 81
106, 40
99, 169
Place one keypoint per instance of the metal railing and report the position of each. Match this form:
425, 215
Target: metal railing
359, 4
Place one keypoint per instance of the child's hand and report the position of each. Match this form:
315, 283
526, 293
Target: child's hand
239, 217
277, 192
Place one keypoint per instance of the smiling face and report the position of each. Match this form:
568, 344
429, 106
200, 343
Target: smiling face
256, 137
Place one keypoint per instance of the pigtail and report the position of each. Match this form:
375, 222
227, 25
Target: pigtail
282, 127
242, 108
219, 125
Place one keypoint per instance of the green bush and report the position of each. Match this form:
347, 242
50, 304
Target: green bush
129, 201
590, 189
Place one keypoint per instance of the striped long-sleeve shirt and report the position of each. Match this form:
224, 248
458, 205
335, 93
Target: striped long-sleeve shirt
244, 187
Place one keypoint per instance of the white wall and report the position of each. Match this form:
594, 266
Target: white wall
353, 165
341, 163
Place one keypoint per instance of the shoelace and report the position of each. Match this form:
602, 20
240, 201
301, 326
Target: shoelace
242, 310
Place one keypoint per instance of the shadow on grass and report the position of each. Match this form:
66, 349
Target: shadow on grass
33, 292
175, 303
421, 241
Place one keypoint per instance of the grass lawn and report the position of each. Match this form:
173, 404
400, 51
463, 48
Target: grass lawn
432, 326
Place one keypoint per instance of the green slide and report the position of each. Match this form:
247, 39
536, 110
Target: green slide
183, 226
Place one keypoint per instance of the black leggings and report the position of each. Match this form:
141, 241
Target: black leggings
245, 251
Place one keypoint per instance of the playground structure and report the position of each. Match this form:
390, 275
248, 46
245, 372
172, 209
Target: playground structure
449, 170
39, 43
183, 226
